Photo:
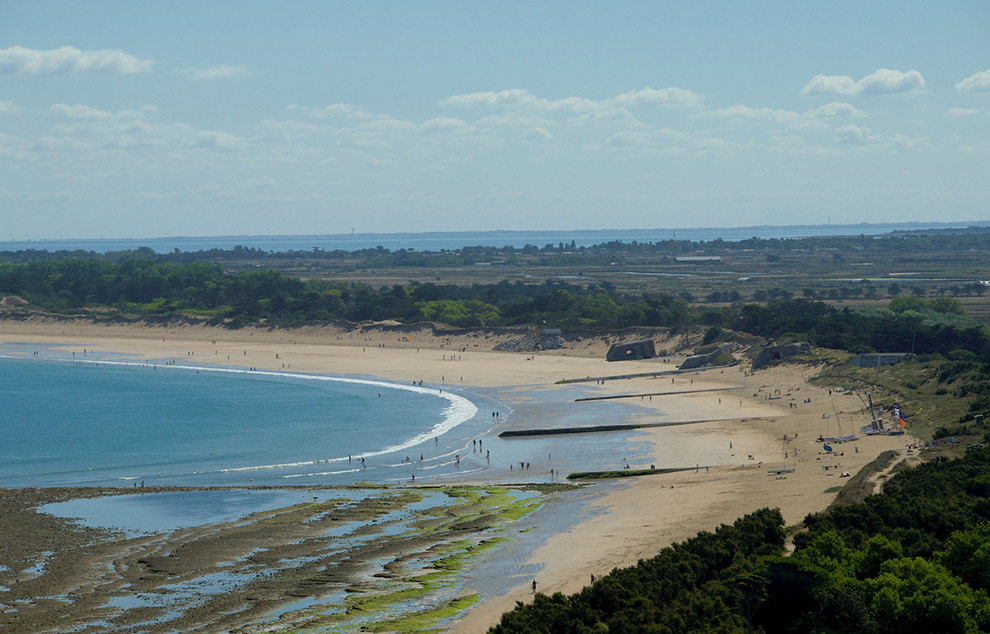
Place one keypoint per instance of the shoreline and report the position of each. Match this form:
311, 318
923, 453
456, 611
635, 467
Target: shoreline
627, 520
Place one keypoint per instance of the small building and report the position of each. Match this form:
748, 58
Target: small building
877, 359
776, 353
641, 349
551, 332
705, 356
697, 258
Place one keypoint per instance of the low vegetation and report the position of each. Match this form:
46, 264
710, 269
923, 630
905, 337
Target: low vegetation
915, 558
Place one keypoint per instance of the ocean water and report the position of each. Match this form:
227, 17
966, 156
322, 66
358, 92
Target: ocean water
109, 422
437, 241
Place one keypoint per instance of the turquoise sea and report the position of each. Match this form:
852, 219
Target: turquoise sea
110, 422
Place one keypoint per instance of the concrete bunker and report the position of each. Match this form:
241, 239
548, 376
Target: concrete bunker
705, 356
776, 353
641, 349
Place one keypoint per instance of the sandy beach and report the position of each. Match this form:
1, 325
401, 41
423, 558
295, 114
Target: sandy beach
635, 518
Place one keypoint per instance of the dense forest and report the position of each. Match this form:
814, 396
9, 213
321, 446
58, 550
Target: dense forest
915, 558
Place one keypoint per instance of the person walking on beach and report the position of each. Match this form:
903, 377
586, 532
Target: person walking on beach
534, 585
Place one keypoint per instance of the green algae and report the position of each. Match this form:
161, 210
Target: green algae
394, 602
427, 621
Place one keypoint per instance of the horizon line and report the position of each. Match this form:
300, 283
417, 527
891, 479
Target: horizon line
953, 223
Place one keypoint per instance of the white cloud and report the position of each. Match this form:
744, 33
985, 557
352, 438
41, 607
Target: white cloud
677, 97
962, 112
882, 82
740, 111
490, 98
788, 118
68, 59
853, 134
220, 71
903, 142
836, 109
386, 124
666, 141
442, 124
7, 107
80, 112
50, 143
980, 82
335, 111
375, 133
518, 98
860, 135
830, 85
885, 81
512, 121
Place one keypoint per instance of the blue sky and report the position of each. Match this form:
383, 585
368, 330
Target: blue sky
138, 119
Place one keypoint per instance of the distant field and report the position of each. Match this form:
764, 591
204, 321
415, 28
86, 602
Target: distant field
851, 278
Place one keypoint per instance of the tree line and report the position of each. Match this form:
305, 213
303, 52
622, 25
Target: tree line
147, 287
144, 287
915, 558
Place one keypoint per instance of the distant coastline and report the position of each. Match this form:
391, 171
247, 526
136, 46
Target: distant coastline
452, 240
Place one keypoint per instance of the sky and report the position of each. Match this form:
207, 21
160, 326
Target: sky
146, 119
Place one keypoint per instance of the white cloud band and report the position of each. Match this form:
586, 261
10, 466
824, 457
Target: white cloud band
68, 59
882, 82
979, 82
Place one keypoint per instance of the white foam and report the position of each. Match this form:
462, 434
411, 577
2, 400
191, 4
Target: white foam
320, 473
